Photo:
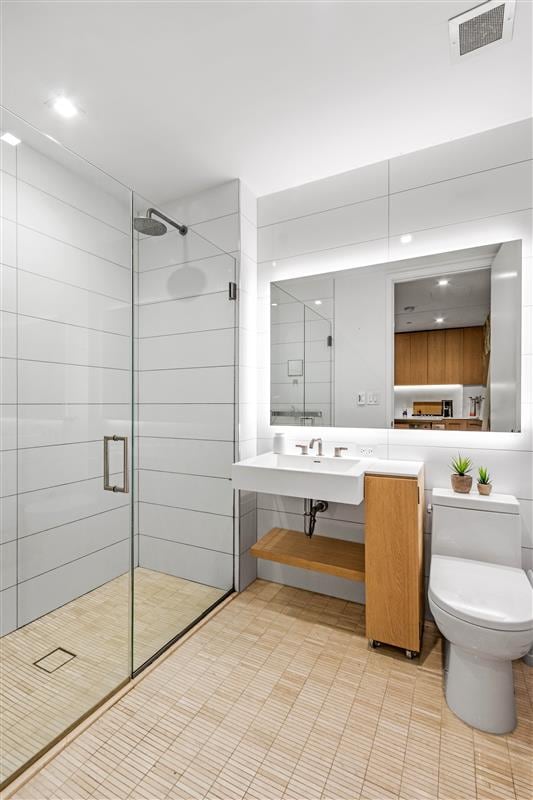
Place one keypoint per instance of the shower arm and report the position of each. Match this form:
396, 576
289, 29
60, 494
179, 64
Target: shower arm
154, 212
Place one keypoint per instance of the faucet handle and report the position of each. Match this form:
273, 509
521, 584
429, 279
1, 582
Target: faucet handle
338, 451
304, 449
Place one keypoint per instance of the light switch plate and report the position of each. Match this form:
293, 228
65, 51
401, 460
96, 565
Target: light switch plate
361, 398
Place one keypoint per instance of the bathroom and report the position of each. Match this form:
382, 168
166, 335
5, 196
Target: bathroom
206, 264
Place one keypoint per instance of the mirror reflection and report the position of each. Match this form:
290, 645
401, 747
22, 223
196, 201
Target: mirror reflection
431, 342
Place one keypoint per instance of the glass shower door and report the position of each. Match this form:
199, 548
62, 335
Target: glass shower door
185, 373
66, 385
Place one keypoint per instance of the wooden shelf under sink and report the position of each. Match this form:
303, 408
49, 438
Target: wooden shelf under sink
318, 553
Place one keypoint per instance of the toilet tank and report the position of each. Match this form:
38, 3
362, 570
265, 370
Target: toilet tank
477, 527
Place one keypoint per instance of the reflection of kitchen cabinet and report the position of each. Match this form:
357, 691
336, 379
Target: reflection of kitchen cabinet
419, 357
473, 357
436, 357
453, 355
453, 372
402, 359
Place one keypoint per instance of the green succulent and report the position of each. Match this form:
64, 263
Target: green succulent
461, 465
483, 475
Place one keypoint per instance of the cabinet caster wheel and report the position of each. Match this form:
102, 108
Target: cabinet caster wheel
410, 654
374, 643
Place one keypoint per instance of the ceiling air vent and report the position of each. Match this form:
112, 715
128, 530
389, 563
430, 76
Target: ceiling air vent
488, 23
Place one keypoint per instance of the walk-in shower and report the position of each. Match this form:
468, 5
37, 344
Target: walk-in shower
117, 372
149, 226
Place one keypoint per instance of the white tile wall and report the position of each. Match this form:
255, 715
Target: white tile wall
65, 289
460, 194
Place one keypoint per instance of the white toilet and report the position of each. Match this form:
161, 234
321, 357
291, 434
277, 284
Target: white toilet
482, 602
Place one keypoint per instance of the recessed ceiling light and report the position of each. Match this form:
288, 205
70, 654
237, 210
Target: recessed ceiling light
500, 275
443, 282
406, 238
8, 138
439, 319
318, 302
65, 107
274, 304
274, 263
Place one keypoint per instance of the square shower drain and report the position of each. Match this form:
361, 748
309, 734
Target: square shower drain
54, 660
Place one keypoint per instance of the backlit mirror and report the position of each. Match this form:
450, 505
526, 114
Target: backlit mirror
431, 342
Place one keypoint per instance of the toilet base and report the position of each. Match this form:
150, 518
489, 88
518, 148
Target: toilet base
480, 690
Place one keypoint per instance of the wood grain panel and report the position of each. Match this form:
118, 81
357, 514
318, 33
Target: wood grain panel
454, 355
402, 359
318, 553
436, 357
394, 560
473, 358
419, 357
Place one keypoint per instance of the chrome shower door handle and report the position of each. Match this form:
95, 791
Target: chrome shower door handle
125, 484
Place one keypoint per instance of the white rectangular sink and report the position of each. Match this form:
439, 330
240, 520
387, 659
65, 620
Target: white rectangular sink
339, 480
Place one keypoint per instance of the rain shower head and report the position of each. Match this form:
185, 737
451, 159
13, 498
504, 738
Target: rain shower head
153, 227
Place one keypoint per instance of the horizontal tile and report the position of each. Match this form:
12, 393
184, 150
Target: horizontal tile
8, 610
43, 467
191, 563
40, 425
311, 581
187, 280
329, 229
44, 340
247, 531
54, 548
8, 158
202, 313
202, 349
193, 421
51, 258
8, 426
8, 196
8, 565
483, 151
41, 382
44, 213
194, 528
217, 201
215, 384
41, 595
8, 473
48, 299
91, 191
8, 242
8, 288
8, 519
483, 194
172, 248
345, 189
8, 335
213, 495
337, 529
245, 570
48, 508
194, 457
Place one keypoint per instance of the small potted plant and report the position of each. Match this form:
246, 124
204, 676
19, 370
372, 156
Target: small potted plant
461, 480
484, 486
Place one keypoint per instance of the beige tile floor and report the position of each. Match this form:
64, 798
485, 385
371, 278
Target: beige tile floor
36, 706
278, 696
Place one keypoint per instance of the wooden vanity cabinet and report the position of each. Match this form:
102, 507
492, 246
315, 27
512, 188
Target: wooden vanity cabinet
394, 561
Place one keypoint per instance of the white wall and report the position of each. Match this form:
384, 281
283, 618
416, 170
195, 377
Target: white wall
505, 324
65, 380
357, 219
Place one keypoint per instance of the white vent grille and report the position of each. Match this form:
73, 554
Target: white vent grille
488, 24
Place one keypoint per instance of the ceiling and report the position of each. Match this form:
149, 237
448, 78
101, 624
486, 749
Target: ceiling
179, 96
464, 302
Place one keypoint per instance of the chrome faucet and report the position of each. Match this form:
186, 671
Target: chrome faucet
312, 444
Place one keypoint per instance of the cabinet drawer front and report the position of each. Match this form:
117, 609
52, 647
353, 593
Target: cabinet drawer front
393, 561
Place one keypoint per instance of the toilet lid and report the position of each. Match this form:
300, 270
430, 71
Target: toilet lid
488, 595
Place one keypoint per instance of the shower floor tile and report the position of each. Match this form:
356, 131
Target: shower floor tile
44, 690
278, 697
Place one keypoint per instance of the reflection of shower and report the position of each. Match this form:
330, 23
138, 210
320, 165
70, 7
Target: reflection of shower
152, 227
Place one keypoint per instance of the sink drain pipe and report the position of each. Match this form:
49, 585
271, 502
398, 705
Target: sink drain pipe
310, 511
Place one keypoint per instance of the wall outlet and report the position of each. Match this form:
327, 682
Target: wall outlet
366, 451
372, 398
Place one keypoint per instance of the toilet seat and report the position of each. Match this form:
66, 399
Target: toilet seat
483, 594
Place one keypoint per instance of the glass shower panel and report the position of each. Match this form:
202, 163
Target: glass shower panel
287, 335
66, 383
185, 339
318, 348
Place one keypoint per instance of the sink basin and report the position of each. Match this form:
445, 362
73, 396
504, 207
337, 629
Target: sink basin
339, 480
